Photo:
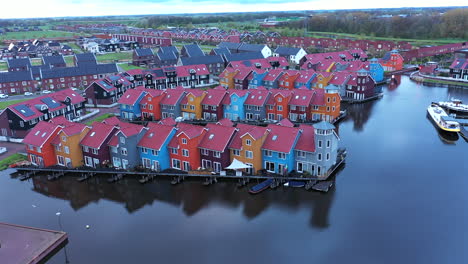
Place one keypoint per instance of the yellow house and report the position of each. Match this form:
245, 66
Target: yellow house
67, 144
191, 104
247, 146
322, 79
226, 78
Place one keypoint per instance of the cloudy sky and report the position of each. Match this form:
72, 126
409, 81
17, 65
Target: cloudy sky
59, 8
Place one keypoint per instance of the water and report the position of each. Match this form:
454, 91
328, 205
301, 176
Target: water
401, 198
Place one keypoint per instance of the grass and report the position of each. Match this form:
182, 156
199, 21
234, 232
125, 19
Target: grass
205, 48
114, 57
5, 104
126, 67
3, 66
99, 118
4, 163
75, 47
36, 34
36, 61
445, 82
69, 61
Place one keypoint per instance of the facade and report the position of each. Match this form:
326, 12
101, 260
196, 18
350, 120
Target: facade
233, 104
256, 78
170, 104
214, 151
183, 147
107, 91
153, 147
39, 146
294, 55
150, 104
459, 69
392, 61
300, 105
376, 70
95, 145
191, 105
143, 57
130, 103
255, 105
212, 107
67, 142
277, 106
123, 145
360, 86
287, 80
16, 82
271, 80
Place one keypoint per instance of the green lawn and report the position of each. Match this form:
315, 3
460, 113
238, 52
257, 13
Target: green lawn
99, 118
115, 56
3, 66
4, 104
36, 34
36, 61
126, 67
75, 47
445, 82
69, 61
4, 163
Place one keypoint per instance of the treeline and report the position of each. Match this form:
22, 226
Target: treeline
423, 25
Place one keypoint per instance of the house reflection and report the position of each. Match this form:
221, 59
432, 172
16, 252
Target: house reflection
360, 114
192, 197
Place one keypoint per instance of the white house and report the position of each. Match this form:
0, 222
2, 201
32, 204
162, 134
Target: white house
291, 54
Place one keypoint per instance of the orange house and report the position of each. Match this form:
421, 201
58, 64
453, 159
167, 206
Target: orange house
183, 147
68, 151
246, 146
39, 146
287, 80
150, 104
191, 104
392, 63
326, 104
226, 78
322, 79
277, 106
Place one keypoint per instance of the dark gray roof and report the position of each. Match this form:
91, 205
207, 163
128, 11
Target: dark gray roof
287, 51
168, 53
169, 49
251, 47
56, 59
36, 69
85, 57
15, 63
54, 44
229, 45
243, 56
210, 59
193, 50
66, 47
144, 52
17, 76
221, 51
79, 71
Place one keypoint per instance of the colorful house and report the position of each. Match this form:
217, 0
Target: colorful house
191, 104
152, 148
255, 105
184, 152
256, 78
233, 104
287, 80
305, 79
67, 142
95, 145
246, 146
278, 148
226, 78
130, 103
214, 152
277, 106
322, 80
376, 70
150, 104
39, 146
212, 107
271, 80
339, 80
392, 61
241, 81
360, 86
316, 150
300, 105
123, 145
170, 104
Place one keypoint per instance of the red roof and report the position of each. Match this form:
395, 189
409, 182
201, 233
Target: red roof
306, 141
131, 96
281, 138
217, 138
285, 122
135, 72
242, 73
273, 75
305, 76
257, 71
151, 93
339, 78
353, 80
301, 97
227, 70
185, 71
41, 133
156, 136
191, 131
284, 93
255, 131
168, 121
257, 97
225, 122
97, 135
459, 64
172, 96
214, 97
319, 96
113, 121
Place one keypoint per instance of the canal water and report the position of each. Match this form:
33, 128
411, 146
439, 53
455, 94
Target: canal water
402, 197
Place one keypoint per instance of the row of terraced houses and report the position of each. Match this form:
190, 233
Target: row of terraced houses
278, 148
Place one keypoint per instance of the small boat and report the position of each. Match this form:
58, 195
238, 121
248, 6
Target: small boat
297, 184
261, 186
323, 186
442, 120
455, 105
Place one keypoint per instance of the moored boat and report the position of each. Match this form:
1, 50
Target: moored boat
442, 120
297, 184
261, 186
455, 105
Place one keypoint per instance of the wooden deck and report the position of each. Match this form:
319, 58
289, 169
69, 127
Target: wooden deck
28, 245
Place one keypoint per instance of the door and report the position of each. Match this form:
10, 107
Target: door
217, 166
124, 164
186, 166
88, 161
96, 162
68, 162
155, 165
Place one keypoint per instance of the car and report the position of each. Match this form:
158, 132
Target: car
3, 96
28, 93
46, 91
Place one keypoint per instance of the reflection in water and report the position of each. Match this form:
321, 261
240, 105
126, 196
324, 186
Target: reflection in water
190, 196
394, 83
360, 114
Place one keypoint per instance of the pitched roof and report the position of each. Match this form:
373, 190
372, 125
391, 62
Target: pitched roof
306, 141
156, 136
305, 76
173, 96
16, 76
339, 78
85, 58
214, 97
319, 96
209, 59
243, 56
301, 97
55, 59
281, 138
131, 96
144, 52
191, 131
284, 93
16, 63
255, 131
251, 47
225, 122
68, 127
285, 122
193, 50
324, 125
257, 97
86, 69
188, 70
217, 137
168, 121
273, 75
97, 135
40, 133
282, 51
228, 45
459, 64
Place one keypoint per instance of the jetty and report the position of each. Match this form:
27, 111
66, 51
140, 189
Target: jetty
358, 101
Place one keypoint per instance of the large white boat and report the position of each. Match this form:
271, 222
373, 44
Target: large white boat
442, 120
455, 105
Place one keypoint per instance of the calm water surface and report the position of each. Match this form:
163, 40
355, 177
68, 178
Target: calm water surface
402, 197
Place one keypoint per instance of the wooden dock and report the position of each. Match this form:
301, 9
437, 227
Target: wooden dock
28, 245
355, 101
464, 133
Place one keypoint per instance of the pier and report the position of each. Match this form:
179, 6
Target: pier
358, 101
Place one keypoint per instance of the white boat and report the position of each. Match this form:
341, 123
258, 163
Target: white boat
455, 105
442, 120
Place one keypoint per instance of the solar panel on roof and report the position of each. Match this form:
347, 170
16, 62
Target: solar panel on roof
24, 110
51, 103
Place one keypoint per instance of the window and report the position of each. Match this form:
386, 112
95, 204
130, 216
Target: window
281, 155
123, 151
320, 143
249, 154
176, 164
66, 149
300, 167
268, 153
280, 99
328, 143
144, 150
57, 148
328, 156
319, 157
248, 142
204, 152
280, 108
85, 149
217, 154
122, 140
185, 152
64, 138
293, 107
60, 160
154, 152
114, 149
236, 152
95, 151
328, 99
270, 166
184, 141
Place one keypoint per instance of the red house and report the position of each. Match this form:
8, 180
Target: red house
300, 105
287, 80
39, 146
184, 152
278, 104
149, 105
241, 81
212, 107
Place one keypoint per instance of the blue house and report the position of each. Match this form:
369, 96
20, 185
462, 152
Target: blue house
278, 148
233, 104
376, 70
152, 148
256, 78
130, 104
305, 79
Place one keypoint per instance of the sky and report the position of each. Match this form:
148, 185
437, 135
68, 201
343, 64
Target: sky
62, 8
